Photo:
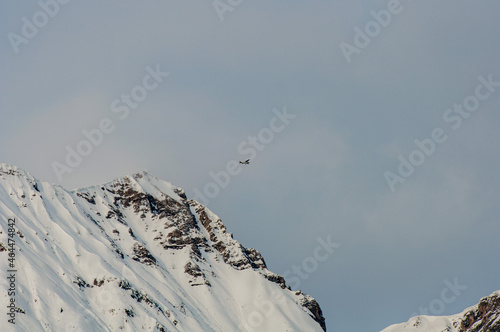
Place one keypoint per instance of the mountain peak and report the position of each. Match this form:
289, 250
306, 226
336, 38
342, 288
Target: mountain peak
135, 253
482, 317
8, 169
148, 184
16, 181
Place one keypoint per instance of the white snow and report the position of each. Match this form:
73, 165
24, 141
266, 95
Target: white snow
71, 276
441, 323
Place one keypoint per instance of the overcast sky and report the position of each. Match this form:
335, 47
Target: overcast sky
356, 103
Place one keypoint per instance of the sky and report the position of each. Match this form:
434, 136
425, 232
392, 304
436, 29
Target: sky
370, 125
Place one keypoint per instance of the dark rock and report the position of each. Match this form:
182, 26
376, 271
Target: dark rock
141, 254
313, 306
484, 318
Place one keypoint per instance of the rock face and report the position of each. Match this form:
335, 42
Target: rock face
135, 254
483, 317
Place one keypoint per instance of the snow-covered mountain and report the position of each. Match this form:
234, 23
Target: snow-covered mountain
133, 254
483, 317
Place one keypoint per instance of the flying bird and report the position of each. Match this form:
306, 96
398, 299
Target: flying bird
246, 162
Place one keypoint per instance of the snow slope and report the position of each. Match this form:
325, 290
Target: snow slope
483, 317
134, 254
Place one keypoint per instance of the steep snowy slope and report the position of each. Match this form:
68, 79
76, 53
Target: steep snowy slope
132, 255
483, 317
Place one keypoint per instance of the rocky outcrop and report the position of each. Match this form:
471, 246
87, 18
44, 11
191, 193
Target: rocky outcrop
313, 306
485, 317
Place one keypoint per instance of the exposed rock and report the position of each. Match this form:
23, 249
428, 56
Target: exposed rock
82, 284
198, 277
141, 254
313, 306
89, 198
485, 317
147, 244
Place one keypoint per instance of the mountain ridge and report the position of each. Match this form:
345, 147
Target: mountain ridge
135, 253
482, 317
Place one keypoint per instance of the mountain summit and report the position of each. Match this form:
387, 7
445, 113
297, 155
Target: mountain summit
134, 254
482, 317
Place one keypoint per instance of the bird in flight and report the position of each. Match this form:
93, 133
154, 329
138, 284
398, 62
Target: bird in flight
246, 162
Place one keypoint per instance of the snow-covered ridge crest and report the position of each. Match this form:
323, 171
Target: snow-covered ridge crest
8, 168
132, 254
13, 172
482, 317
